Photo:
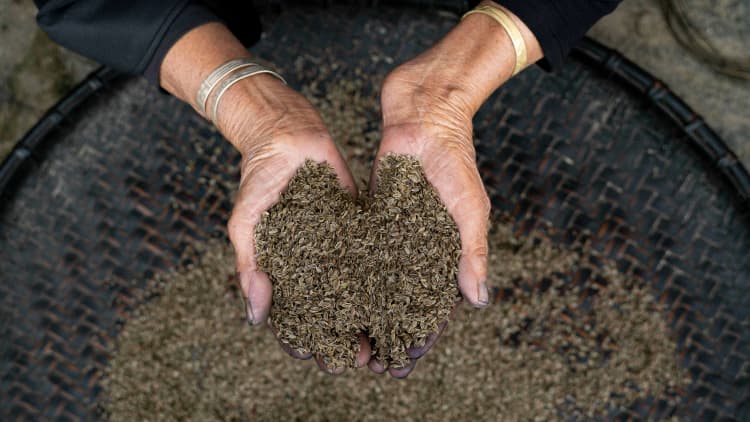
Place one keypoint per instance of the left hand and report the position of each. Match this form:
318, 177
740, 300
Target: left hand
428, 105
439, 135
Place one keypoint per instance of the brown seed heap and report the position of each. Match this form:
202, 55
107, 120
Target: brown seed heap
385, 265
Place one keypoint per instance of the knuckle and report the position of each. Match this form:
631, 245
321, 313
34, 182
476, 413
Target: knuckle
485, 205
238, 227
480, 250
232, 225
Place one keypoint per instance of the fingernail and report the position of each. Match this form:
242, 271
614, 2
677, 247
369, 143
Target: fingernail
414, 352
245, 300
244, 280
483, 294
249, 310
401, 373
376, 366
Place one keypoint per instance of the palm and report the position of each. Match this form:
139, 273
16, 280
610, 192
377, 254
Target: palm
266, 172
440, 137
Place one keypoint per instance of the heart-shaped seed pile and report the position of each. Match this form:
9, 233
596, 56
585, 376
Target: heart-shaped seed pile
384, 264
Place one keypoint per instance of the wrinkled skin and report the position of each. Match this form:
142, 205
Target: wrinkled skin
274, 147
435, 126
428, 104
416, 123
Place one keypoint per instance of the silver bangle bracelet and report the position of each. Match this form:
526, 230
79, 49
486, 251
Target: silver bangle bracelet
236, 77
213, 79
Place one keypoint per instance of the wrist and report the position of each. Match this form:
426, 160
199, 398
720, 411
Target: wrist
194, 56
251, 112
258, 110
463, 68
509, 45
478, 55
458, 73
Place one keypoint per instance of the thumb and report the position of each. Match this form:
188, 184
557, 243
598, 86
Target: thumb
257, 290
255, 285
472, 277
472, 223
465, 199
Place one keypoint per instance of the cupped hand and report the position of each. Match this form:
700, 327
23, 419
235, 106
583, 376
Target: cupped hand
434, 125
428, 105
275, 140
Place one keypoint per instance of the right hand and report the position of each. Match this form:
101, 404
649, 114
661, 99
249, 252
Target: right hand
275, 129
275, 139
428, 105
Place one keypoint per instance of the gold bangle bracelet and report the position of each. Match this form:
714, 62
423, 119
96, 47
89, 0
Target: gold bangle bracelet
501, 17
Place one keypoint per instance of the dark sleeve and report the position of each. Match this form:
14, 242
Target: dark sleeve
128, 35
559, 24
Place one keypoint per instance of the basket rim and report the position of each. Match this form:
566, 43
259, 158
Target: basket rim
709, 144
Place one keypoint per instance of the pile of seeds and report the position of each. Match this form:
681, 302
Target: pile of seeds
545, 350
385, 264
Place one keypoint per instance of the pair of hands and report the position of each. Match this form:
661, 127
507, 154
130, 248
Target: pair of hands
418, 121
428, 104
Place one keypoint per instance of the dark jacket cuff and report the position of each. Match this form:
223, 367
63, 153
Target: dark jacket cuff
191, 16
558, 25
131, 36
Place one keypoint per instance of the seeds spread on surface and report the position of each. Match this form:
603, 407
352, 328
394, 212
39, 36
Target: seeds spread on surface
545, 350
566, 338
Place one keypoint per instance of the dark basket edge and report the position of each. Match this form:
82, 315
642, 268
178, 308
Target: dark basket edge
705, 139
26, 150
